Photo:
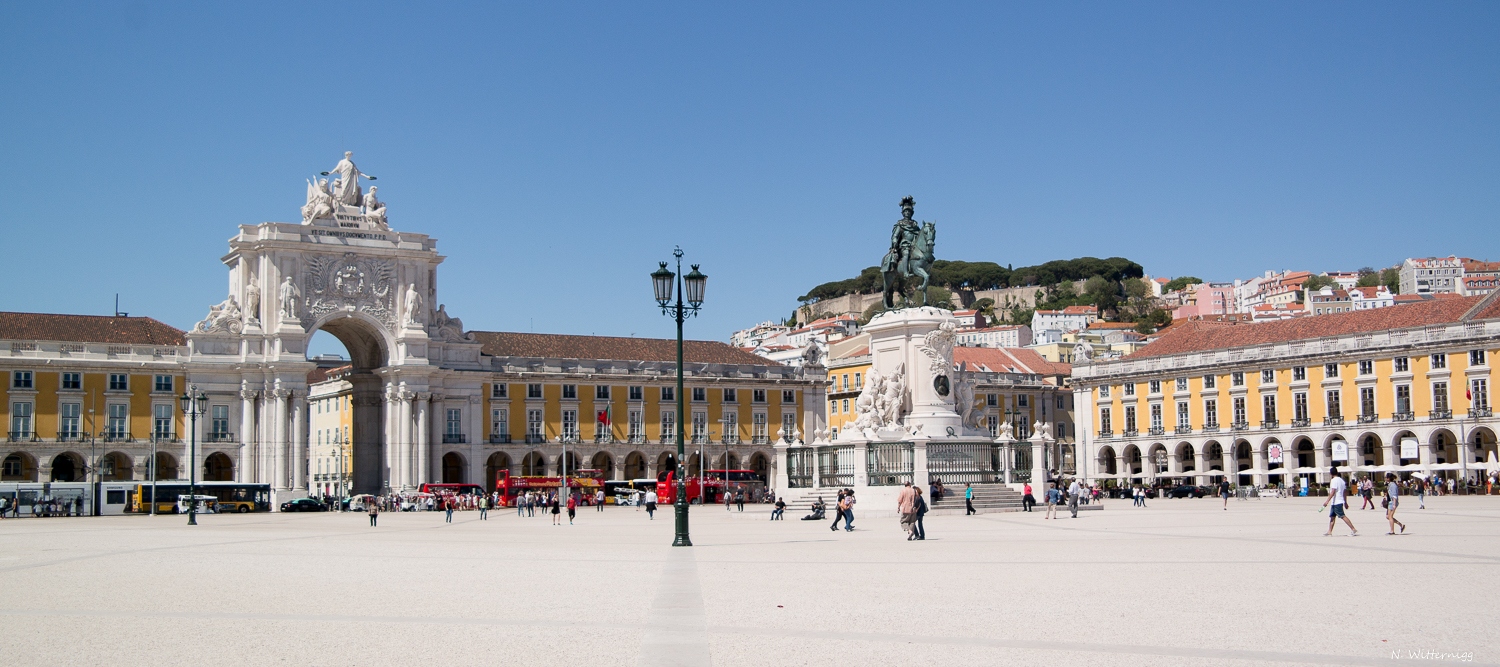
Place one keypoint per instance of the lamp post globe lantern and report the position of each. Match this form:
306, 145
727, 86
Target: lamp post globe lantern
661, 282
664, 283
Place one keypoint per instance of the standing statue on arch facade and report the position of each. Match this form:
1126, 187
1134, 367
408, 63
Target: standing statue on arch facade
911, 254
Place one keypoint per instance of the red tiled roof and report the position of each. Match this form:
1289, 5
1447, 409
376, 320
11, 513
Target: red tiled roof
1008, 360
1196, 335
88, 329
562, 346
1080, 310
322, 374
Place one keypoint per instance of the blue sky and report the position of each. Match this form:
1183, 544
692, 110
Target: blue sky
558, 150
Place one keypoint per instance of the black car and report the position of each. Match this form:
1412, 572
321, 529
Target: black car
1187, 491
303, 505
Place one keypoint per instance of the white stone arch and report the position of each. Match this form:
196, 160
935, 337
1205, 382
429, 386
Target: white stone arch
1106, 460
1186, 455
369, 342
454, 467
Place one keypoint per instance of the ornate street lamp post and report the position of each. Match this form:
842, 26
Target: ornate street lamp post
664, 282
194, 403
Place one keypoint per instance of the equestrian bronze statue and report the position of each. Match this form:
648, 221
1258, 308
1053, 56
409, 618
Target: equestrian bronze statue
910, 255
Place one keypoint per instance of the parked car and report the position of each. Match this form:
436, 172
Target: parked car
1187, 491
303, 505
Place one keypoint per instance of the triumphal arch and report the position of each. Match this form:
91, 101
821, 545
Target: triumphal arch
345, 270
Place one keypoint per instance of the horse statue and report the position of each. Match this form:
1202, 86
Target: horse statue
916, 263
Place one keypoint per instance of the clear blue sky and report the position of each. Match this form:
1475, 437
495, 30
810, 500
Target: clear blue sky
558, 150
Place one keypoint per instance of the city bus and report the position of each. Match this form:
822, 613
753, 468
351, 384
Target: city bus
452, 489
237, 497
713, 483
585, 481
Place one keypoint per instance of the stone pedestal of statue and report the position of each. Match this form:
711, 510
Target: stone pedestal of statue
912, 342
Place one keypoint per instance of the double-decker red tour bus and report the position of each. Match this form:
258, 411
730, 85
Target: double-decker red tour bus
583, 481
713, 484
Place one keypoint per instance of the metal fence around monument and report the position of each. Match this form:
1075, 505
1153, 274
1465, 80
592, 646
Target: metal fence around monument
799, 467
836, 466
1018, 456
963, 463
889, 464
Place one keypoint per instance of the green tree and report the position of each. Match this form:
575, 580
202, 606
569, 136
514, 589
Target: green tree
1316, 283
1391, 278
1180, 282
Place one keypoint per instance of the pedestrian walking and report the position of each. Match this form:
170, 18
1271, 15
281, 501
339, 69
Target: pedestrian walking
557, 510
1224, 492
484, 508
1367, 492
838, 511
1053, 495
1391, 501
849, 510
374, 511
739, 500
1074, 491
1027, 500
1421, 493
1335, 503
572, 508
906, 508
1143, 491
448, 504
969, 499
599, 500
651, 505
921, 506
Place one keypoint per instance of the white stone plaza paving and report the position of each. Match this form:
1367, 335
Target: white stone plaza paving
1181, 582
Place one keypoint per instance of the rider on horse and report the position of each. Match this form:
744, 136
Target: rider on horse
903, 240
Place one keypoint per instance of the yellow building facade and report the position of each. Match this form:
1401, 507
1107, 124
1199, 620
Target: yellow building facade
1403, 389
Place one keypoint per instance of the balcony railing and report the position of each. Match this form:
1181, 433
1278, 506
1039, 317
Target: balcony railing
1270, 424
1157, 430
1129, 433
168, 438
636, 439
1436, 415
1333, 421
118, 437
1106, 434
1211, 427
1240, 426
1475, 413
455, 439
604, 438
1369, 419
21, 436
1182, 430
70, 436
570, 438
535, 438
1301, 423
699, 440
499, 438
1403, 416
731, 440
220, 436
760, 440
